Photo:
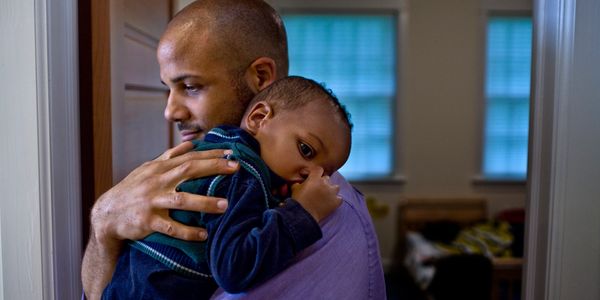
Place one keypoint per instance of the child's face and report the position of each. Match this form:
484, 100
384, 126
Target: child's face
295, 141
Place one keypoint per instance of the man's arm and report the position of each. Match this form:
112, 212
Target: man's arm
99, 261
139, 205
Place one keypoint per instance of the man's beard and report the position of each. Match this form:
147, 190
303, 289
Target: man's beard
242, 91
187, 126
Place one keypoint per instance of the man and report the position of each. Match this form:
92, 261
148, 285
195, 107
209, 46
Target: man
214, 56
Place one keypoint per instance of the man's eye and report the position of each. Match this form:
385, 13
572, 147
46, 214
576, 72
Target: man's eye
191, 88
306, 150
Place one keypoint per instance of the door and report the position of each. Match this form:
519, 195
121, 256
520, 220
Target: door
139, 130
121, 97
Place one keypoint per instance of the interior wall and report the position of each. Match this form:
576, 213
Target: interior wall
441, 113
1, 268
21, 256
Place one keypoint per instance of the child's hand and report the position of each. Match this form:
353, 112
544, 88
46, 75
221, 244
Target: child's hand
317, 195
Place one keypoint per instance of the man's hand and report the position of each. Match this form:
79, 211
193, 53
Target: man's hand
140, 203
317, 195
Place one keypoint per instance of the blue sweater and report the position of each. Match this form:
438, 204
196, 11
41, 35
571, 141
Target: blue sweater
248, 244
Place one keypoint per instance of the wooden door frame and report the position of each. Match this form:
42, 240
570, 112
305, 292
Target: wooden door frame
95, 103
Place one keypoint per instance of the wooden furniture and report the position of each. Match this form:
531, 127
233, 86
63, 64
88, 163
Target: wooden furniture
414, 213
506, 278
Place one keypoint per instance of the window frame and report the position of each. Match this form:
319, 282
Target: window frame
395, 8
498, 8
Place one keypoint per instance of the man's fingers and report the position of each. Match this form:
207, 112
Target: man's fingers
178, 230
179, 155
198, 155
206, 154
177, 150
191, 202
200, 168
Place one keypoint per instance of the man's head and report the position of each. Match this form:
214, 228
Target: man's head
214, 56
300, 126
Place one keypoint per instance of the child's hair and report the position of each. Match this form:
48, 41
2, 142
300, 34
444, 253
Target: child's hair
295, 91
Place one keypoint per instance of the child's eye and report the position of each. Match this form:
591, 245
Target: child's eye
306, 150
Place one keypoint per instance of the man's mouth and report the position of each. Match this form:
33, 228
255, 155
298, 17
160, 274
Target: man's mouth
189, 131
188, 134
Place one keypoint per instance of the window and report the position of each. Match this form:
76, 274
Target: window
355, 56
507, 93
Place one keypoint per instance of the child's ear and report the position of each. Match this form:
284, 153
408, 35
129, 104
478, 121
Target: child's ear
259, 113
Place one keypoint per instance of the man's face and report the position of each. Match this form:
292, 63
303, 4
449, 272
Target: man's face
295, 141
203, 91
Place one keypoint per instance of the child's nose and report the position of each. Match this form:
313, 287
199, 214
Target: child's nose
304, 173
311, 167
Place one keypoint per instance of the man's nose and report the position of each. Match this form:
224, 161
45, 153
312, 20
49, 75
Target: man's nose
176, 111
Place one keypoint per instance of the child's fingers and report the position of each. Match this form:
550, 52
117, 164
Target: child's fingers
315, 173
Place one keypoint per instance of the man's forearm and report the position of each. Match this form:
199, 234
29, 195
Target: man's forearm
98, 265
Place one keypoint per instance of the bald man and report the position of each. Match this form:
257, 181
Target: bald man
214, 56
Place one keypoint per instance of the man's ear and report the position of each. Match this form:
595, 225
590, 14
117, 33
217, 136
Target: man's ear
259, 113
261, 73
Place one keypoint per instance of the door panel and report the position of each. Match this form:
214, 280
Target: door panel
139, 66
145, 137
140, 132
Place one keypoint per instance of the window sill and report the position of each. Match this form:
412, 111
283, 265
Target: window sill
500, 181
394, 180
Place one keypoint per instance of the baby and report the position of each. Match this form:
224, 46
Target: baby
293, 135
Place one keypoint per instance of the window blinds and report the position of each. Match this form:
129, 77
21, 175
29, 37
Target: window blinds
355, 56
507, 93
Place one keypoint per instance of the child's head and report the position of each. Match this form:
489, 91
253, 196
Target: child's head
300, 125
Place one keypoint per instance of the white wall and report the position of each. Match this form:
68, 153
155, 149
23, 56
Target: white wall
1, 268
40, 207
19, 164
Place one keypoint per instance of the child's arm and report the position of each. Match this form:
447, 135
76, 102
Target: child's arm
317, 195
249, 243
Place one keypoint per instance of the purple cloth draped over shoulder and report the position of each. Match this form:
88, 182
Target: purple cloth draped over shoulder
344, 264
